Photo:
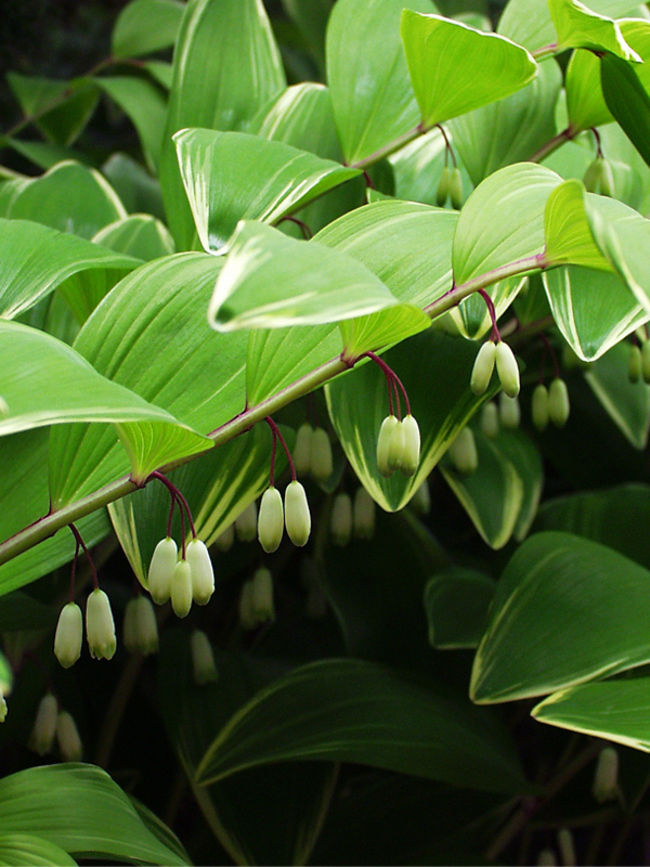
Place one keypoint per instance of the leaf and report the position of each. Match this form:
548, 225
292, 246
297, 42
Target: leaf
135, 187
617, 517
22, 849
593, 309
455, 69
616, 710
368, 79
139, 235
82, 811
456, 603
511, 129
628, 101
145, 105
163, 303
358, 403
70, 198
233, 176
220, 89
529, 22
43, 155
569, 239
271, 281
580, 27
627, 403
71, 104
351, 710
36, 259
492, 496
597, 598
145, 26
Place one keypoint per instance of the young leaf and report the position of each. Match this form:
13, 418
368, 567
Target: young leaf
139, 235
598, 597
216, 89
145, 26
371, 94
231, 176
569, 239
29, 849
73, 103
628, 101
455, 69
578, 27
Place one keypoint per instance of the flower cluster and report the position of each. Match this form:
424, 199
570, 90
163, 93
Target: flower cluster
312, 453
274, 517
495, 354
51, 723
550, 404
100, 630
398, 446
184, 577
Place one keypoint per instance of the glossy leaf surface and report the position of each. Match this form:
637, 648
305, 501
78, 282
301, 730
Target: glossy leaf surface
456, 603
579, 27
145, 26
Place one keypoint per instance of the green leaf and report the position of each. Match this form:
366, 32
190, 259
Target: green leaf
579, 27
73, 104
163, 303
616, 710
232, 176
20, 849
217, 89
592, 309
139, 192
455, 69
358, 403
529, 22
271, 281
37, 259
351, 710
45, 156
617, 517
569, 239
145, 26
492, 496
139, 235
511, 129
628, 101
456, 603
145, 105
82, 811
627, 403
597, 598
371, 94
70, 198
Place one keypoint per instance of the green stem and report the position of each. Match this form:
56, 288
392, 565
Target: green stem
545, 51
390, 148
552, 145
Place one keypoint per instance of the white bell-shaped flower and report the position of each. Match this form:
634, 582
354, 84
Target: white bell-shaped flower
490, 419
483, 367
181, 589
262, 595
204, 669
100, 626
509, 411
296, 514
396, 447
69, 635
388, 425
44, 731
508, 369
270, 523
161, 570
67, 735
411, 449
198, 557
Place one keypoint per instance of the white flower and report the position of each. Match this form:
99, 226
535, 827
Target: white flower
100, 626
411, 449
140, 629
383, 445
270, 524
509, 411
508, 369
44, 731
69, 635
462, 452
490, 419
204, 669
483, 367
161, 570
321, 455
296, 514
363, 514
198, 557
70, 745
181, 589
341, 520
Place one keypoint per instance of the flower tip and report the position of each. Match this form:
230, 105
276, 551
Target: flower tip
296, 514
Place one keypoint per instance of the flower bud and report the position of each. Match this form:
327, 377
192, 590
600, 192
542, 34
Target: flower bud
546, 858
161, 570
44, 731
363, 517
200, 564
411, 451
591, 177
225, 540
69, 635
421, 499
303, 448
442, 192
462, 452
567, 847
321, 455
396, 447
341, 520
204, 669
558, 402
70, 745
246, 523
490, 419
483, 367
509, 411
606, 179
181, 589
508, 369
539, 408
383, 445
634, 364
270, 523
645, 360
262, 596
140, 629
296, 514
100, 626
246, 616
456, 189
605, 786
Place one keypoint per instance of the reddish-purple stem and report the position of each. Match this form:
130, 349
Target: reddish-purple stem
391, 376
448, 149
276, 432
81, 542
599, 151
549, 349
175, 493
274, 446
304, 228
73, 570
495, 336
